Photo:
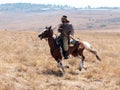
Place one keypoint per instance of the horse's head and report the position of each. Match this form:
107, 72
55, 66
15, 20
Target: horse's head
48, 32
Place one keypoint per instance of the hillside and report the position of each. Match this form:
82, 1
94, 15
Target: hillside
81, 19
27, 16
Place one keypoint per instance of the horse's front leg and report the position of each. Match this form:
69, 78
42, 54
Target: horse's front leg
82, 63
60, 65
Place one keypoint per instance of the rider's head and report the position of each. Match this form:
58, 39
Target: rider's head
64, 19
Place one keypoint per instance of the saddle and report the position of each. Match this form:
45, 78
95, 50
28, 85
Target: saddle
72, 42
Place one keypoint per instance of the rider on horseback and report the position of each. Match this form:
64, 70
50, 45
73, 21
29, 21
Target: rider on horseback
66, 31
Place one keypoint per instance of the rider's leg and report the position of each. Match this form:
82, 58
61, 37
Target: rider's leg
65, 47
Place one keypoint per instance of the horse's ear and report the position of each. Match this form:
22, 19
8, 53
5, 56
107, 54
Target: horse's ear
46, 27
50, 27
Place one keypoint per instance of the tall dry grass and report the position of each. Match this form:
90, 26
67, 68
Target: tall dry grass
26, 63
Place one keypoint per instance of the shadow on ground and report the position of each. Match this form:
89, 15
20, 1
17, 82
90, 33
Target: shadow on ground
57, 73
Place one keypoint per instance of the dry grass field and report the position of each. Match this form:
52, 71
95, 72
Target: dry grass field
26, 63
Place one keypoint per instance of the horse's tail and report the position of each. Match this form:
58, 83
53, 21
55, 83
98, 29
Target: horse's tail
89, 47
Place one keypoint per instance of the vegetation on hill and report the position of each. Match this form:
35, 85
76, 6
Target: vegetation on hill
28, 7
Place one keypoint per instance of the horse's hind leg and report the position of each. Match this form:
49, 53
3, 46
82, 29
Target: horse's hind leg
91, 49
95, 53
98, 57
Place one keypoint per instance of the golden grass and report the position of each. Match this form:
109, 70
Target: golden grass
26, 63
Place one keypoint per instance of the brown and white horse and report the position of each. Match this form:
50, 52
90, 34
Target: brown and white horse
76, 50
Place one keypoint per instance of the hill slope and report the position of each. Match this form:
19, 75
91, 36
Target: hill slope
81, 19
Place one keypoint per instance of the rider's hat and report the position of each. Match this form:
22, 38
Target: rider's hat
64, 18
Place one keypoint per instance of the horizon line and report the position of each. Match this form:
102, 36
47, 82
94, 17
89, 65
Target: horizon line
61, 5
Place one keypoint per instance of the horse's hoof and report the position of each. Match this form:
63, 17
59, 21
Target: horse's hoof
80, 68
67, 66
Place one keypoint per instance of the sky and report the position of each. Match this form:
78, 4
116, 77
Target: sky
75, 3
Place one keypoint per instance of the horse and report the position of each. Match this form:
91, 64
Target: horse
75, 50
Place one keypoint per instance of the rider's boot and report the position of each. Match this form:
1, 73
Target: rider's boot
66, 54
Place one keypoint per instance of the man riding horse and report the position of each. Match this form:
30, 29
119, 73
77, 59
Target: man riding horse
66, 31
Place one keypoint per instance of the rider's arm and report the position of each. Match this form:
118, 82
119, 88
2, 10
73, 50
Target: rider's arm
71, 30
